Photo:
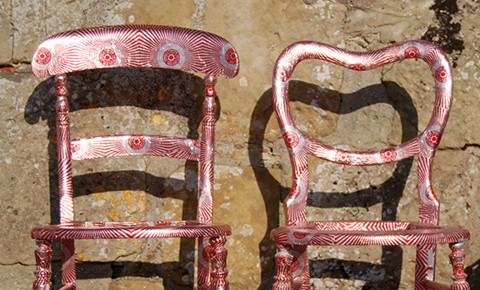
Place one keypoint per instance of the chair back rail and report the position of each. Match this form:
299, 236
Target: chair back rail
136, 46
300, 144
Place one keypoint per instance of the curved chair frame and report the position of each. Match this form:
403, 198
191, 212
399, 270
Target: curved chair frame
292, 240
134, 46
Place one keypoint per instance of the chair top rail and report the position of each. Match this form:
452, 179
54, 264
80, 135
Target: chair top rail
136, 46
427, 141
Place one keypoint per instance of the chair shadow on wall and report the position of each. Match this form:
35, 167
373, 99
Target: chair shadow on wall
158, 90
473, 272
385, 275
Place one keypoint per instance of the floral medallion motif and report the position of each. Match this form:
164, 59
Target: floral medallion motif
358, 67
282, 73
388, 155
43, 56
343, 157
137, 142
291, 138
433, 138
107, 57
197, 143
171, 57
441, 74
231, 56
411, 52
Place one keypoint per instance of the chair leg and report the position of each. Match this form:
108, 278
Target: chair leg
43, 257
283, 277
203, 264
424, 265
218, 262
457, 258
69, 275
300, 268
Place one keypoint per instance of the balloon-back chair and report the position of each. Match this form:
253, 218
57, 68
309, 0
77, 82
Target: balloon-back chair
128, 46
293, 239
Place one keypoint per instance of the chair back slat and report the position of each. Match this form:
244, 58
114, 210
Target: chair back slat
127, 145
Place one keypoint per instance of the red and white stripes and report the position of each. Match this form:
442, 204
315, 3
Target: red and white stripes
125, 145
135, 46
425, 234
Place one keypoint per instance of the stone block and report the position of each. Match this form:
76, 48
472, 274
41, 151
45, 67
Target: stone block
25, 198
17, 276
135, 284
248, 199
6, 45
28, 25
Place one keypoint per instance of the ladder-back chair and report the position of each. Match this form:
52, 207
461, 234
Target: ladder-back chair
293, 239
128, 46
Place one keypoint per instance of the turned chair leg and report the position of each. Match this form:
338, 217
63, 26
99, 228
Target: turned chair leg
457, 258
69, 275
43, 257
218, 262
203, 264
300, 264
283, 277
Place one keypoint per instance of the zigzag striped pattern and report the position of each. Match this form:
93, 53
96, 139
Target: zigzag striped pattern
341, 233
63, 152
68, 262
129, 230
205, 200
136, 46
126, 145
425, 233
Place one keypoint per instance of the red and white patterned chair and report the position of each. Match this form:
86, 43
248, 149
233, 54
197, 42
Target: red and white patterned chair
293, 239
134, 46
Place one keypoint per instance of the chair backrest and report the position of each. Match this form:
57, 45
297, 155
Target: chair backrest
424, 145
135, 46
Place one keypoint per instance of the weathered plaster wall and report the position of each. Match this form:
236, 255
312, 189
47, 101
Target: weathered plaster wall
355, 110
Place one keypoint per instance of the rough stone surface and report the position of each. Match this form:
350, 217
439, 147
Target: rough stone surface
136, 284
347, 109
20, 197
6, 45
11, 276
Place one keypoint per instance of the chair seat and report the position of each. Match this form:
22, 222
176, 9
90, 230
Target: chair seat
355, 233
129, 230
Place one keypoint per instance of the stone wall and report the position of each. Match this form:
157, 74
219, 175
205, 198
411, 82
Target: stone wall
350, 109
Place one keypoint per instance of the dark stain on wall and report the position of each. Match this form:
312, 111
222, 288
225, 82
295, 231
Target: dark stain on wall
445, 32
